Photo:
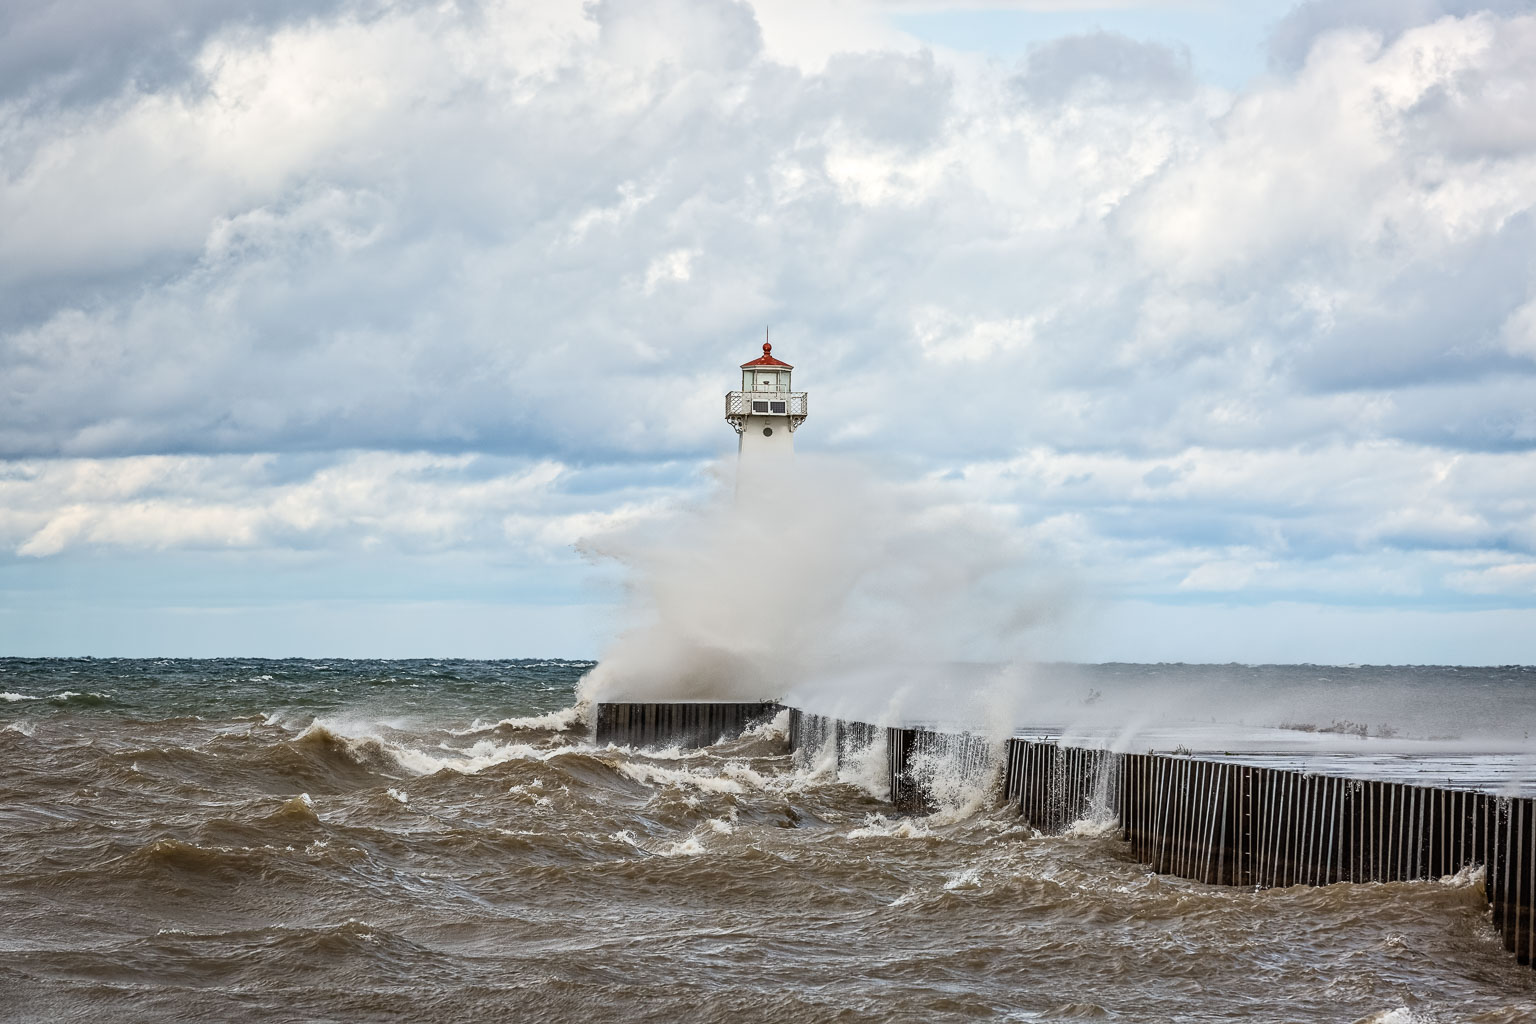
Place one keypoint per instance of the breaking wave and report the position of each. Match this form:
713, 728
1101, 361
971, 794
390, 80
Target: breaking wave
357, 845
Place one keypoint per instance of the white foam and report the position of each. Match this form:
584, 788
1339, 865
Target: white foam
741, 773
1470, 875
654, 775
690, 847
397, 796
954, 790
878, 826
477, 758
464, 760
554, 721
1401, 1015
868, 768
970, 878
25, 728
1093, 827
775, 728
523, 791
11, 698
823, 761
673, 753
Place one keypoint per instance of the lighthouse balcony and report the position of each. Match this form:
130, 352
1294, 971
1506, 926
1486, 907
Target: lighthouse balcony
765, 403
740, 404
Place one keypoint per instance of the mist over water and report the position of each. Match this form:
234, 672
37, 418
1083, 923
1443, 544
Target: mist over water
813, 577
816, 582
240, 840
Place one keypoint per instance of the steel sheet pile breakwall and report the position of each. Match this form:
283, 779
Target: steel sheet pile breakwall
1054, 786
927, 766
1228, 823
684, 724
814, 738
918, 761
1214, 820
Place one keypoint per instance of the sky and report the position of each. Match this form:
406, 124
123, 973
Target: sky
361, 327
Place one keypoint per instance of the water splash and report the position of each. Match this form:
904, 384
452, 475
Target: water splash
822, 582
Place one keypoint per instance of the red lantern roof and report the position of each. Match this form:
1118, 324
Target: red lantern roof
766, 359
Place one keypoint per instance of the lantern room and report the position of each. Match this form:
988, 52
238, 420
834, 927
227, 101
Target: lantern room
765, 373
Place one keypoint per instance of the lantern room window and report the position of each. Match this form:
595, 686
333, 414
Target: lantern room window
765, 380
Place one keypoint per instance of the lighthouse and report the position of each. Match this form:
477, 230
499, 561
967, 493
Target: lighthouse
765, 413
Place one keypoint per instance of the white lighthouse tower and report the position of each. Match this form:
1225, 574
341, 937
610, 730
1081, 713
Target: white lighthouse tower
765, 413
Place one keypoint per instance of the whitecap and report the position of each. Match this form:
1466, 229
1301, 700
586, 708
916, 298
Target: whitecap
690, 847
970, 878
1093, 828
878, 826
653, 775
554, 721
1401, 1015
466, 760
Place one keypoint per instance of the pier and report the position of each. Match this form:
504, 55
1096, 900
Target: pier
1217, 819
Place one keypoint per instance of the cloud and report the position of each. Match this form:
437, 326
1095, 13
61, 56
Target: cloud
1374, 521
415, 503
85, 50
292, 267
1517, 578
428, 230
1295, 34
1106, 66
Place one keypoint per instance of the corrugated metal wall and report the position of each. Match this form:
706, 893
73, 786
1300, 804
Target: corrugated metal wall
1216, 821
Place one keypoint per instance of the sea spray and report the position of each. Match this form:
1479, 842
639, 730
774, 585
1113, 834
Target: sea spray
954, 775
823, 583
866, 766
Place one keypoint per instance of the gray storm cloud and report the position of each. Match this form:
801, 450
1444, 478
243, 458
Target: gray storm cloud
1094, 289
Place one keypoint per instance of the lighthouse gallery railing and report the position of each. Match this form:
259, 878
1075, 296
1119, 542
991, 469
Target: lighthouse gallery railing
766, 403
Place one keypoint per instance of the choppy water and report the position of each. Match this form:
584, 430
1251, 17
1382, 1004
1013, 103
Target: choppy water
359, 841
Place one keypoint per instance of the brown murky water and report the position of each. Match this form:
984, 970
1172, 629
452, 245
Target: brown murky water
376, 854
